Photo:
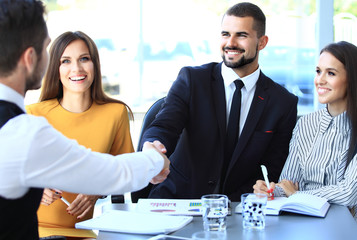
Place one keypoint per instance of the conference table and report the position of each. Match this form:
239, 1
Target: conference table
337, 225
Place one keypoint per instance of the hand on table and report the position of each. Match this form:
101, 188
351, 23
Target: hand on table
288, 186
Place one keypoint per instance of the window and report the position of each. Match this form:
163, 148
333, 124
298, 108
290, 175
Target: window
144, 43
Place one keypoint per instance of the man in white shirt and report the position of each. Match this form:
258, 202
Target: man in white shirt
33, 154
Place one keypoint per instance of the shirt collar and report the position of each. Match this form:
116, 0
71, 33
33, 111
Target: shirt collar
230, 76
10, 95
340, 121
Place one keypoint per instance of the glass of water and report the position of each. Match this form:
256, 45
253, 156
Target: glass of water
253, 210
214, 212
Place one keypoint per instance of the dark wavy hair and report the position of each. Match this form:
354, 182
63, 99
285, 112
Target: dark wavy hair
246, 9
22, 25
53, 88
346, 53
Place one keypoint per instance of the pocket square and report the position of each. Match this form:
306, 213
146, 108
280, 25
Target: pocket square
269, 131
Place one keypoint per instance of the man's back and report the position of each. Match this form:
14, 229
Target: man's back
27, 205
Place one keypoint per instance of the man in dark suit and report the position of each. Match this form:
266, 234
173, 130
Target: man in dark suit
194, 119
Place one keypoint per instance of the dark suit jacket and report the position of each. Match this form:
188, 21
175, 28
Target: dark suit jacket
192, 126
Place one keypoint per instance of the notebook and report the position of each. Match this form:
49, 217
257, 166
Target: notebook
135, 222
305, 204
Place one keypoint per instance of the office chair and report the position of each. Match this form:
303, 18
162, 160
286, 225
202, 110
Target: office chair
148, 118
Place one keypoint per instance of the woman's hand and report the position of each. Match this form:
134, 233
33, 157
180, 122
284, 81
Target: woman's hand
82, 205
288, 186
50, 195
261, 187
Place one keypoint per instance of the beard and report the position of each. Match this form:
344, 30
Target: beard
34, 81
241, 62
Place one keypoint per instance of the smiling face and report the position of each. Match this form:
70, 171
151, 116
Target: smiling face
240, 44
331, 83
76, 68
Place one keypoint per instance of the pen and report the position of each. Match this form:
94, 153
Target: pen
265, 174
194, 210
65, 201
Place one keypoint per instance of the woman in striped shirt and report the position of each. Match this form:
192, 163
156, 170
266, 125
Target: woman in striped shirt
322, 158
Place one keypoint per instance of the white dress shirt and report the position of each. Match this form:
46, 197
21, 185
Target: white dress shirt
317, 159
34, 154
229, 76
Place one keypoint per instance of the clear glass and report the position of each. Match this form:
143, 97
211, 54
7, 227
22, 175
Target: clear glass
215, 210
253, 210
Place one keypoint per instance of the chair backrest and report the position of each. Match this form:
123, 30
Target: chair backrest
148, 118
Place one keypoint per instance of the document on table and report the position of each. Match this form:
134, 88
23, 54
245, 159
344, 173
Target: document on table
135, 222
189, 207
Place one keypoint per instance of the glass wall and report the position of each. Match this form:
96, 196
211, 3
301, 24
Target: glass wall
144, 43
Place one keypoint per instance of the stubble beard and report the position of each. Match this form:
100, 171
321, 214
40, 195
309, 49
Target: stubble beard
33, 82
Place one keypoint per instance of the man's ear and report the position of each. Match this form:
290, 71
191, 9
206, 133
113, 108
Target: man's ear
29, 59
263, 41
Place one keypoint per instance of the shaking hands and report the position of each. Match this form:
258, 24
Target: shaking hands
160, 148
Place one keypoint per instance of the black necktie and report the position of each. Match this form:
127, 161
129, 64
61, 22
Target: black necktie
232, 128
233, 122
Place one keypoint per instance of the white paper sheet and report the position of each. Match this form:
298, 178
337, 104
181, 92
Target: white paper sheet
135, 222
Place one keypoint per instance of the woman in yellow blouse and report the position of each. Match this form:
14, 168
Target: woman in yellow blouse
72, 100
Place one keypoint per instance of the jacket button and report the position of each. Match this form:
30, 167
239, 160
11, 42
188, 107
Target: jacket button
211, 182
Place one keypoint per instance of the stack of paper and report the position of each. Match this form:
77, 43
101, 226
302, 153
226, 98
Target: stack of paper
135, 222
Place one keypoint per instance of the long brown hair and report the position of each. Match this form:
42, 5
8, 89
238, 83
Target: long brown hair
52, 86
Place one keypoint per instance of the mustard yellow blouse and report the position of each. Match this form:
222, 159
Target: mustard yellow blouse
102, 128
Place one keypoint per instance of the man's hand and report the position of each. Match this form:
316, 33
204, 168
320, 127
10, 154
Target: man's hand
160, 148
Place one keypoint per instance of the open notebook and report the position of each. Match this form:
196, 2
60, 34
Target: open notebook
306, 204
135, 222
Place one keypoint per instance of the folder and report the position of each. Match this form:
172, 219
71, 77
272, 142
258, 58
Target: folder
135, 222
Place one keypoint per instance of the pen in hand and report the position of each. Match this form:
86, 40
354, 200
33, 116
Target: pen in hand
265, 174
65, 201
58, 192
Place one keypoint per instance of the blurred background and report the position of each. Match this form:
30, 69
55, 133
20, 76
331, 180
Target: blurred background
144, 43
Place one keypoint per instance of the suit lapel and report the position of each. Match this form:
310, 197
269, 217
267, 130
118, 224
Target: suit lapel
256, 110
219, 99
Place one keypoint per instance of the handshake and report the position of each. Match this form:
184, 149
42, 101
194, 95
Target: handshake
160, 148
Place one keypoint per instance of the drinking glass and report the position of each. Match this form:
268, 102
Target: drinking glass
215, 210
253, 210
